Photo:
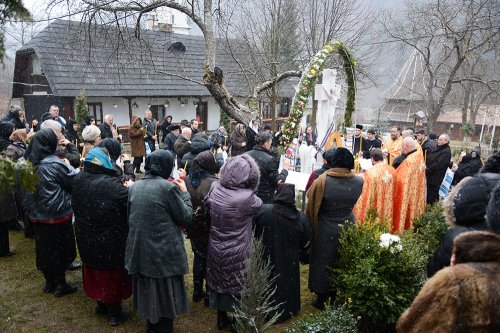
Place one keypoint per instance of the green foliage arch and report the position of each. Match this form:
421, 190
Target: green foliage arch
308, 81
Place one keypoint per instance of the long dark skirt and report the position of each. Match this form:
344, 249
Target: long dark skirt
160, 298
108, 286
54, 245
222, 302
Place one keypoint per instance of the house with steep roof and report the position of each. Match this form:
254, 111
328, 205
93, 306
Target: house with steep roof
124, 75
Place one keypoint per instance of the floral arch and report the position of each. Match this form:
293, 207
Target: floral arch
308, 81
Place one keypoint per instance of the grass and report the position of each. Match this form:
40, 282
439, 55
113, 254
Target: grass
25, 308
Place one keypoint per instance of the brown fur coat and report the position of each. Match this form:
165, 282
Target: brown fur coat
136, 134
464, 297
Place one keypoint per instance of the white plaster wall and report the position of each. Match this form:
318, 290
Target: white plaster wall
178, 113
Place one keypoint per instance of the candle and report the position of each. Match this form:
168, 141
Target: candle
185, 165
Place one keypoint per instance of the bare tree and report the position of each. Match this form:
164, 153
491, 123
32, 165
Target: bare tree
205, 14
326, 20
445, 33
269, 30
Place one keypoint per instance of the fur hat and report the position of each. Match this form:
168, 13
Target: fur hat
90, 133
493, 211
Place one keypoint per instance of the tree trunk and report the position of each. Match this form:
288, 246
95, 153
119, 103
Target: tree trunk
432, 120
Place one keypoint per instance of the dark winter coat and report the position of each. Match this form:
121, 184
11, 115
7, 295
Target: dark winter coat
155, 245
52, 199
198, 232
356, 145
73, 135
339, 198
6, 129
99, 202
251, 136
170, 140
437, 164
16, 150
151, 130
106, 131
371, 144
467, 168
181, 147
428, 146
286, 236
198, 145
237, 139
71, 153
462, 298
465, 209
136, 134
233, 204
269, 175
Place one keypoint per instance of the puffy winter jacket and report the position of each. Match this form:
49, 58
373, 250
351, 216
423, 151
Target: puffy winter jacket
52, 200
233, 204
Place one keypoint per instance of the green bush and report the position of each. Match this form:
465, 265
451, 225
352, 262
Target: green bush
430, 228
378, 282
333, 320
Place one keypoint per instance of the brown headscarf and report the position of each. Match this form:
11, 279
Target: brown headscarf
19, 135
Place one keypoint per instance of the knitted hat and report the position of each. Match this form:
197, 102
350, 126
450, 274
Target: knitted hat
90, 133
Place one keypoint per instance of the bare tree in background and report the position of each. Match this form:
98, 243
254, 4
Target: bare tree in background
205, 14
446, 33
269, 30
324, 21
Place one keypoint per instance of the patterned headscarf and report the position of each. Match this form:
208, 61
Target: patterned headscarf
97, 156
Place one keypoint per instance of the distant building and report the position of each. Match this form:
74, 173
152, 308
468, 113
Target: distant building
162, 71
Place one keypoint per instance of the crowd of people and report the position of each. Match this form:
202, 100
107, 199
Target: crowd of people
130, 229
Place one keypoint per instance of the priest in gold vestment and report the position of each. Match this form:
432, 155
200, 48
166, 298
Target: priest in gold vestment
378, 189
409, 194
393, 146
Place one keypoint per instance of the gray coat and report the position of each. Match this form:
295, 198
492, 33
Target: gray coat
336, 208
233, 204
155, 245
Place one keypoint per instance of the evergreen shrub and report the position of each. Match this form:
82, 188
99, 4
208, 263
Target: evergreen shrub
430, 228
378, 282
337, 319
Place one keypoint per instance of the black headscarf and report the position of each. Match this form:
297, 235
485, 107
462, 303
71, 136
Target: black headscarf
284, 208
203, 165
88, 119
159, 163
113, 146
43, 144
6, 129
341, 158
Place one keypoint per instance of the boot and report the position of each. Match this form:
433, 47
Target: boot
165, 325
151, 328
116, 315
198, 293
320, 301
101, 309
222, 320
49, 283
62, 287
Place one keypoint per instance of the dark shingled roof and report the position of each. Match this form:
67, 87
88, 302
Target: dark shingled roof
127, 68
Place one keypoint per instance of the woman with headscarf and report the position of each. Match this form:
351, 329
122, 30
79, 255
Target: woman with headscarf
114, 148
89, 120
165, 127
155, 255
251, 133
468, 167
232, 203
17, 148
72, 134
238, 140
51, 213
198, 183
136, 133
8, 213
331, 199
286, 236
100, 206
